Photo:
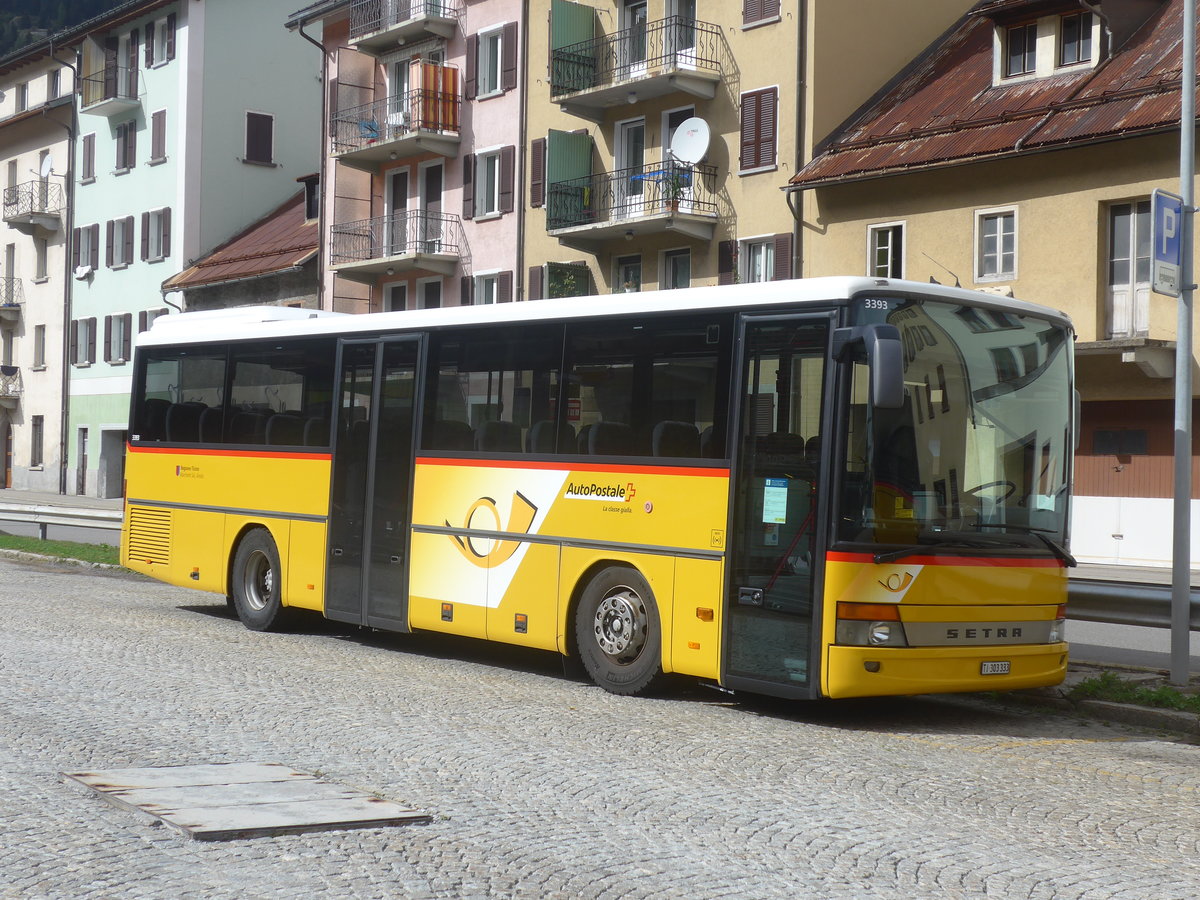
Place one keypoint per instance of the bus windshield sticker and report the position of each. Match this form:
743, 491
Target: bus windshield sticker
775, 491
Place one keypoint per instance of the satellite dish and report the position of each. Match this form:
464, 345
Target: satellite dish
690, 141
82, 272
47, 166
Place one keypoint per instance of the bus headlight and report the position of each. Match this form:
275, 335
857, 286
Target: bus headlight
1058, 628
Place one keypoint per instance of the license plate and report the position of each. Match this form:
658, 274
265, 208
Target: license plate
995, 668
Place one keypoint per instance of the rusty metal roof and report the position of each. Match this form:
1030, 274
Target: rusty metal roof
283, 239
946, 111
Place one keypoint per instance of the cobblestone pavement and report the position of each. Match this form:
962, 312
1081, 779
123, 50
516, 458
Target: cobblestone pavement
541, 786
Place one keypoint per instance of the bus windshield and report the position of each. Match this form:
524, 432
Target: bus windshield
979, 453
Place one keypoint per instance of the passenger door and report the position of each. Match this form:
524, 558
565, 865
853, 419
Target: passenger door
370, 499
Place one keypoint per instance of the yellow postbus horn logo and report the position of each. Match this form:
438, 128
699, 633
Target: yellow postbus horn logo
488, 552
896, 582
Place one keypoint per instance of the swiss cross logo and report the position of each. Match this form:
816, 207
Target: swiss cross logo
630, 491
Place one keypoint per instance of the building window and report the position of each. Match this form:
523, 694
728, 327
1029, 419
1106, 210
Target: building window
885, 250
54, 84
996, 243
1120, 442
22, 96
120, 243
39, 346
759, 121
1075, 39
487, 180
160, 41
118, 337
430, 293
40, 249
156, 234
88, 163
126, 146
754, 11
677, 269
489, 63
158, 136
758, 260
83, 341
1021, 47
485, 289
628, 275
147, 316
36, 441
395, 297
260, 138
86, 252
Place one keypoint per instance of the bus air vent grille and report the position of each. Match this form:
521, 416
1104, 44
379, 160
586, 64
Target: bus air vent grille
150, 535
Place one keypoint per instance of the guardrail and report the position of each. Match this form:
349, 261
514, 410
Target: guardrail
63, 516
1124, 603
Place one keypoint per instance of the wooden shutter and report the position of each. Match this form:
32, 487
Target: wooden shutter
504, 287
108, 235
472, 76
537, 172
726, 262
767, 126
112, 46
94, 259
748, 144
73, 352
108, 320
142, 320
75, 234
145, 235
758, 128
128, 258
166, 232
534, 289
170, 36
127, 337
508, 57
158, 135
466, 288
751, 11
149, 44
508, 157
468, 189
130, 144
89, 156
783, 257
91, 343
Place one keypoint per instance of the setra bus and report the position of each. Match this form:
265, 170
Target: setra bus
830, 487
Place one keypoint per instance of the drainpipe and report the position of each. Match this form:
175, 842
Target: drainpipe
519, 202
322, 244
802, 12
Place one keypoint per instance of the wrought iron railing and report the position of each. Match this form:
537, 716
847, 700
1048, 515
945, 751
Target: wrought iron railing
676, 42
654, 189
10, 381
33, 197
412, 231
110, 83
12, 292
394, 117
369, 16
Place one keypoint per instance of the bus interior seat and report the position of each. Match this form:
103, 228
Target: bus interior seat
247, 427
285, 429
712, 443
450, 434
671, 438
581, 441
498, 436
316, 432
212, 425
154, 419
610, 439
544, 437
183, 421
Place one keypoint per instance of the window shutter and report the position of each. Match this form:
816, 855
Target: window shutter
468, 189
504, 287
108, 237
158, 135
259, 138
534, 289
537, 172
726, 261
145, 235
108, 320
75, 234
750, 11
130, 144
508, 57
149, 44
91, 343
508, 157
469, 83
166, 232
94, 261
466, 287
128, 258
170, 36
73, 352
133, 51
783, 257
127, 337
142, 320
767, 126
749, 131
89, 156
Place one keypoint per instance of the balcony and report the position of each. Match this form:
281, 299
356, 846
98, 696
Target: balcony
379, 26
109, 92
651, 60
418, 121
651, 199
12, 295
414, 240
10, 386
35, 206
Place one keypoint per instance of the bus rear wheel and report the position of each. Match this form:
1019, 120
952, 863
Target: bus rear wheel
255, 583
618, 633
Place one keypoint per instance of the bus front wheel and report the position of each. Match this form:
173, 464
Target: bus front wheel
617, 631
255, 582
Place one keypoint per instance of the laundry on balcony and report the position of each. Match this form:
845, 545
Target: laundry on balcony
368, 130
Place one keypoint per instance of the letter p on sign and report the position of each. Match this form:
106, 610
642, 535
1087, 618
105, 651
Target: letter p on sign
1167, 211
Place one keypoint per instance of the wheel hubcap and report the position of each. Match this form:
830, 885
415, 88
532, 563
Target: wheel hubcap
620, 625
259, 581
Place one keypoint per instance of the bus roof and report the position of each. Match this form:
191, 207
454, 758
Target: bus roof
251, 322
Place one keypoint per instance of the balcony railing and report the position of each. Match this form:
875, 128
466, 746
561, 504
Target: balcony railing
674, 43
624, 195
373, 129
376, 24
409, 239
10, 386
110, 89
33, 199
12, 294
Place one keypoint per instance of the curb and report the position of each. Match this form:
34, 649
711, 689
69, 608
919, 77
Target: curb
1175, 721
26, 556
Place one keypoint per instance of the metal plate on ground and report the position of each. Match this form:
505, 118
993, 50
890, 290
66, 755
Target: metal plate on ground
226, 801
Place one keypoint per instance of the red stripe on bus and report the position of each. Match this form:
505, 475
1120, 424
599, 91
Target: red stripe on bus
257, 454
573, 467
1007, 562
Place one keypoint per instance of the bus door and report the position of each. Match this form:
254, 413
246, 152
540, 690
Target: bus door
775, 545
372, 481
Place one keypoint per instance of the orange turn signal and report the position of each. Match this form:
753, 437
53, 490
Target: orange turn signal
870, 612
704, 615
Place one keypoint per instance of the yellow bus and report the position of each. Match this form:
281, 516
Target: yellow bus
819, 488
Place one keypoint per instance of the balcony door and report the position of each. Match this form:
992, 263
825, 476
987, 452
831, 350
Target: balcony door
395, 207
1129, 269
399, 115
681, 32
431, 207
679, 182
634, 18
628, 186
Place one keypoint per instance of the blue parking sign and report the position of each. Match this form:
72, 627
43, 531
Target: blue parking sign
1166, 233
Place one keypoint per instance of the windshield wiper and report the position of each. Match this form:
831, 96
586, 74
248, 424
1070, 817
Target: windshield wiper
933, 546
1052, 545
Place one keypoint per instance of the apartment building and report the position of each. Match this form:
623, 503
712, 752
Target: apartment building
1017, 155
195, 119
35, 128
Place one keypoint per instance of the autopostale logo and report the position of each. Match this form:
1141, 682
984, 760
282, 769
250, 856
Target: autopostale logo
483, 544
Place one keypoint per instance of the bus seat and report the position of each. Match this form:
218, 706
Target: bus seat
450, 434
544, 438
712, 442
581, 442
316, 433
183, 421
212, 425
501, 437
610, 439
784, 443
247, 427
285, 428
812, 452
675, 439
154, 419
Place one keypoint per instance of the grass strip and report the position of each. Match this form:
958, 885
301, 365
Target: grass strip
92, 553
1109, 686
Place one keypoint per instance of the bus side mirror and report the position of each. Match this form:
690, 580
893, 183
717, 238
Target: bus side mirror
884, 357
